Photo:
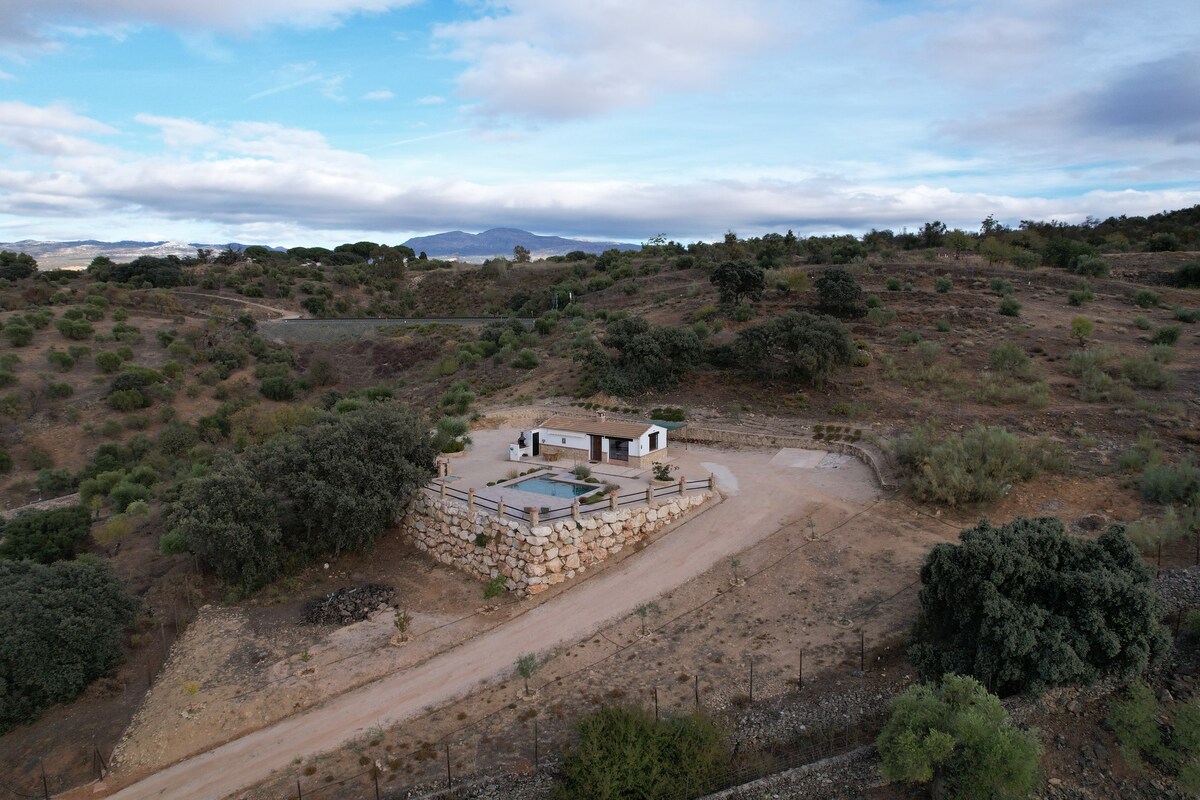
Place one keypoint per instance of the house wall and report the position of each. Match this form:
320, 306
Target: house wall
532, 559
578, 445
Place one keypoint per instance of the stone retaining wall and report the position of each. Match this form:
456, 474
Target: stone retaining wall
533, 559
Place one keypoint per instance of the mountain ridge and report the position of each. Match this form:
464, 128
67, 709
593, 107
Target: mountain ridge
501, 241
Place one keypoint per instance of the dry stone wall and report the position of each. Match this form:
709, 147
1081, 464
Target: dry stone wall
533, 558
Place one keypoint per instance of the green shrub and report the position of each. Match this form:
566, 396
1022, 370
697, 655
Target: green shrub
623, 752
1092, 266
893, 284
1019, 607
525, 359
1146, 373
1166, 483
59, 391
942, 326
957, 736
278, 387
1168, 335
59, 359
18, 335
1009, 307
976, 466
107, 361
943, 284
7, 379
881, 317
45, 536
1142, 322
53, 482
874, 302
6, 461
1080, 296
1187, 275
64, 625
75, 328
127, 400
1009, 358
127, 492
1188, 315
1145, 298
1001, 287
1162, 353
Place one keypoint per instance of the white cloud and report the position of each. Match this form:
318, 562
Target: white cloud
379, 94
244, 174
52, 117
431, 100
7, 76
34, 20
548, 59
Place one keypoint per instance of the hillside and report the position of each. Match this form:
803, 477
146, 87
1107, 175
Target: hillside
945, 338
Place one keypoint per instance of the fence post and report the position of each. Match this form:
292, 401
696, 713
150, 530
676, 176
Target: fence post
471, 502
650, 496
612, 500
533, 517
449, 779
712, 482
442, 490
500, 509
375, 775
45, 784
682, 486
575, 509
299, 793
801, 684
697, 694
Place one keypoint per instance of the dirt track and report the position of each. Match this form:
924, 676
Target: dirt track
760, 499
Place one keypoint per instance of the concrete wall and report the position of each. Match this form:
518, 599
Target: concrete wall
533, 559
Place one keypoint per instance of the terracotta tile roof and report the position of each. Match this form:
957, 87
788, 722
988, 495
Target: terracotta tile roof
597, 426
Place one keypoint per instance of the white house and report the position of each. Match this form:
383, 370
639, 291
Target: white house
597, 439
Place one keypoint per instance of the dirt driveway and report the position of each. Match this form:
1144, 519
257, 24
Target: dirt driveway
764, 491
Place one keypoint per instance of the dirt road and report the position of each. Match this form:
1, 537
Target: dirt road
282, 313
761, 497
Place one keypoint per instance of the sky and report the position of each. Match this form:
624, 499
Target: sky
315, 122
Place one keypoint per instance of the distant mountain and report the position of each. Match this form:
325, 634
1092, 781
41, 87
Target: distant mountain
55, 255
501, 241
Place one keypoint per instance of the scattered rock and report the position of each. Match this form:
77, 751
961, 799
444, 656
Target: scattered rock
352, 604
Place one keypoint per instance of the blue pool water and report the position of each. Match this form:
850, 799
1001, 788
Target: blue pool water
552, 488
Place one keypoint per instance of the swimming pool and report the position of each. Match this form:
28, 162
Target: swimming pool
552, 488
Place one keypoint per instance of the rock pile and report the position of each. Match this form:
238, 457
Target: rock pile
352, 604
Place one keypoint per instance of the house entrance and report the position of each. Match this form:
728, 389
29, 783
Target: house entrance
595, 449
537, 443
618, 449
